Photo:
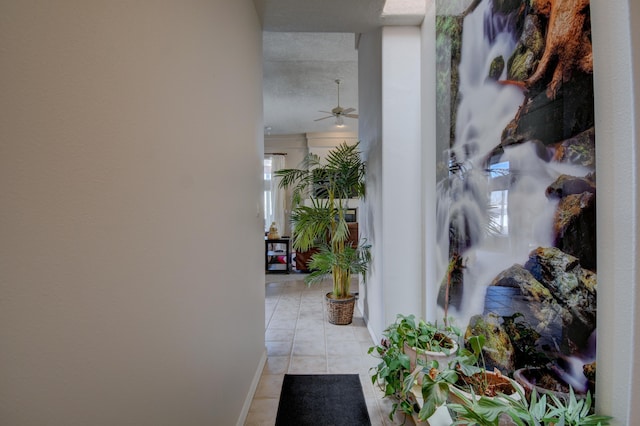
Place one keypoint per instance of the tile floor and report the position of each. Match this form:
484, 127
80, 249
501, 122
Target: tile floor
300, 340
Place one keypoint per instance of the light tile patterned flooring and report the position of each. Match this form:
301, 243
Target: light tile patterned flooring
300, 340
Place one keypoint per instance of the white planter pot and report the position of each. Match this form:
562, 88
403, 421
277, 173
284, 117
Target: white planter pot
426, 357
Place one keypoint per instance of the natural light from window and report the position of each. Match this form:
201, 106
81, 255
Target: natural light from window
268, 206
498, 203
404, 7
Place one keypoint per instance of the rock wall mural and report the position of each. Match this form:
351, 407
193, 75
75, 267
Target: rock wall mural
517, 184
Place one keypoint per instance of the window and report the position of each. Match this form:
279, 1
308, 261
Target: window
273, 197
499, 180
268, 204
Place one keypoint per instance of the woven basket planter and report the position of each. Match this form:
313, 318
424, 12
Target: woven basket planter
340, 311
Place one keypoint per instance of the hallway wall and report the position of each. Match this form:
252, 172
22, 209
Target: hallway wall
130, 228
389, 64
402, 233
370, 133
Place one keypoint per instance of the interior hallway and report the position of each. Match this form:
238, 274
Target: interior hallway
300, 340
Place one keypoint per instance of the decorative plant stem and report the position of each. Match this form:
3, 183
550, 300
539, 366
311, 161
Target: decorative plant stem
450, 268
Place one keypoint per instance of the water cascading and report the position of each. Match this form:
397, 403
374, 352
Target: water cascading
464, 202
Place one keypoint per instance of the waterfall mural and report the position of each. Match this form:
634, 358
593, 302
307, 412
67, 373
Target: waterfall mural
516, 183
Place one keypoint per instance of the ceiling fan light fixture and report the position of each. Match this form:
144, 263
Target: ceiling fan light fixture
338, 112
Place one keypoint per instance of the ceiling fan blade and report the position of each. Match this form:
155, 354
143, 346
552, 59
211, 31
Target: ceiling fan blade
327, 112
350, 115
323, 118
347, 111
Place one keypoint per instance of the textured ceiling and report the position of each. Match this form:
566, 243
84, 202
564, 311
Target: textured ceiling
299, 70
307, 45
341, 16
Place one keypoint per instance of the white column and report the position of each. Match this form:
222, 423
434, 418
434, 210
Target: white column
402, 233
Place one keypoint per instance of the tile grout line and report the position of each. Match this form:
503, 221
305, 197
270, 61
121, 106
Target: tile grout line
295, 329
282, 300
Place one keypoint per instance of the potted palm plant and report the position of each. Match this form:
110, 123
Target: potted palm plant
320, 191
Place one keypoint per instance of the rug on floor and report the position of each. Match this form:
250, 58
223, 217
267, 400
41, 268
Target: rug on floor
322, 399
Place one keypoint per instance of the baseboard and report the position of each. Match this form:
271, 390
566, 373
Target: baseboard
252, 389
374, 338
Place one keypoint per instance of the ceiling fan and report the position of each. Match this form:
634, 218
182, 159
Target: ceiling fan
339, 112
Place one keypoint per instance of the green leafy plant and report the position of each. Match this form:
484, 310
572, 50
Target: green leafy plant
485, 411
476, 410
545, 410
397, 376
467, 368
344, 263
470, 362
463, 387
435, 388
474, 376
420, 334
390, 374
328, 184
575, 412
466, 371
525, 411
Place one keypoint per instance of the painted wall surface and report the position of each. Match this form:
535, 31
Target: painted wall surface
390, 131
370, 132
428, 121
401, 172
131, 241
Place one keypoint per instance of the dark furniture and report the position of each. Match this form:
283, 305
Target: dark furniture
275, 251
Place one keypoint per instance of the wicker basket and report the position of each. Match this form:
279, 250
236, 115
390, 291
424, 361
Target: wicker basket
340, 311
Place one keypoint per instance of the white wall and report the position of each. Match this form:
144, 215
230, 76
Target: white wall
370, 132
402, 233
390, 131
429, 194
131, 276
615, 41
320, 143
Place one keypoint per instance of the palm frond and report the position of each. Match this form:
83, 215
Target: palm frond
321, 223
312, 225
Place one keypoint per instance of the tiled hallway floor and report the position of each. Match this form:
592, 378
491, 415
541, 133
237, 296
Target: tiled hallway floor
300, 340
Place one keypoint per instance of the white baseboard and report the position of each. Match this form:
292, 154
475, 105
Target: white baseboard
374, 338
252, 389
